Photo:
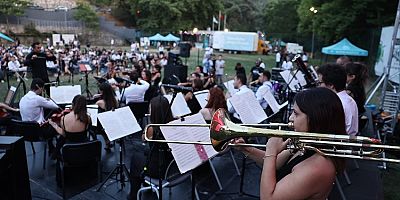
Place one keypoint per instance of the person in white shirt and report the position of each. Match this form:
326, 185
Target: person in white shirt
32, 107
133, 47
15, 66
135, 92
262, 65
219, 69
334, 77
278, 59
265, 87
287, 64
240, 84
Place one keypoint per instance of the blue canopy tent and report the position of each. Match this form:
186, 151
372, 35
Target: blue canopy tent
344, 48
157, 37
171, 38
5, 37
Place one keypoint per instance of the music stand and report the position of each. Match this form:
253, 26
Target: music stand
86, 69
115, 127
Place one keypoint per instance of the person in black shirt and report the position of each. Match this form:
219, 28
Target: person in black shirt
255, 73
36, 61
240, 69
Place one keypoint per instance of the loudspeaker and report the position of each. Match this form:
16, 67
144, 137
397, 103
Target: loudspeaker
174, 74
184, 50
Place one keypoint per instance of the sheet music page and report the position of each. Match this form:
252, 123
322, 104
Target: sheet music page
92, 111
186, 155
248, 108
179, 106
64, 94
202, 97
119, 123
300, 78
273, 104
287, 76
230, 87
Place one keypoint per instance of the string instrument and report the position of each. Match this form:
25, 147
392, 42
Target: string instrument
3, 113
56, 117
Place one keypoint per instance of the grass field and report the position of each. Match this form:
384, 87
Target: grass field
390, 176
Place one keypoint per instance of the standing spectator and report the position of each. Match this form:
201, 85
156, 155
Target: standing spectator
278, 59
219, 69
240, 69
255, 73
287, 64
261, 63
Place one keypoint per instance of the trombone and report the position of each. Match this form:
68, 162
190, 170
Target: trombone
222, 131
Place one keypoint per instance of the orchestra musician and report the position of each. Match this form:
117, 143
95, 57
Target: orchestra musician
264, 79
148, 163
32, 107
356, 76
307, 175
240, 84
135, 92
107, 102
215, 100
36, 60
334, 77
73, 126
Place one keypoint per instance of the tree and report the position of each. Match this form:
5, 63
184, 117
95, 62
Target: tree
12, 7
278, 26
173, 15
86, 14
340, 18
245, 15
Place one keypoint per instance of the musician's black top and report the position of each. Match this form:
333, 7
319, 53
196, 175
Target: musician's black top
38, 66
81, 136
288, 166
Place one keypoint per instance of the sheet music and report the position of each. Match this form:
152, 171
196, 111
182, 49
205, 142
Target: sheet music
202, 97
230, 87
186, 155
287, 76
64, 94
301, 79
273, 104
179, 106
119, 123
92, 111
248, 108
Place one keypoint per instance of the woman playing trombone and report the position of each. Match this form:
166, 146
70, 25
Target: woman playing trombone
302, 175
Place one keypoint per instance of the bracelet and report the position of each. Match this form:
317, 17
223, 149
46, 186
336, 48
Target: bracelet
269, 155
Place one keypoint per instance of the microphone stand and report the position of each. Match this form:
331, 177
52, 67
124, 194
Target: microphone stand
288, 91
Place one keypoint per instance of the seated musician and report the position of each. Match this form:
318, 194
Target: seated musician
135, 92
73, 126
107, 102
240, 84
4, 115
266, 86
194, 106
216, 100
31, 108
148, 162
307, 175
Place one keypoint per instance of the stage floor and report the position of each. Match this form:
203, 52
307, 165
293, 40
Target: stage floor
366, 182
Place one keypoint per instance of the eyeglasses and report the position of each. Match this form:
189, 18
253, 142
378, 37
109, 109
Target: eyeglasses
319, 83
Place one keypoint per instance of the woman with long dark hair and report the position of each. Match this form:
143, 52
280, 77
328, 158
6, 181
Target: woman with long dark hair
148, 162
307, 175
356, 76
107, 102
74, 125
216, 100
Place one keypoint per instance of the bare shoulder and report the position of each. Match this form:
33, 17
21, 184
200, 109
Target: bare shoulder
318, 164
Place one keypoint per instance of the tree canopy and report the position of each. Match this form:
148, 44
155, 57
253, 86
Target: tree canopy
85, 13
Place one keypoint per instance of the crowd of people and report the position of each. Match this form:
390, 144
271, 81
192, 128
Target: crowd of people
334, 107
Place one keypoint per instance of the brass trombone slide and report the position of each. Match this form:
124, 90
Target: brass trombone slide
222, 131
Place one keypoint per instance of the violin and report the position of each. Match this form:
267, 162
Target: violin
56, 117
3, 113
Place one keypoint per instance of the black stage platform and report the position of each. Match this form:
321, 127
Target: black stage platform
366, 181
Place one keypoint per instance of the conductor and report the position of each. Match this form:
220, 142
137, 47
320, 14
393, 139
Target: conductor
36, 61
